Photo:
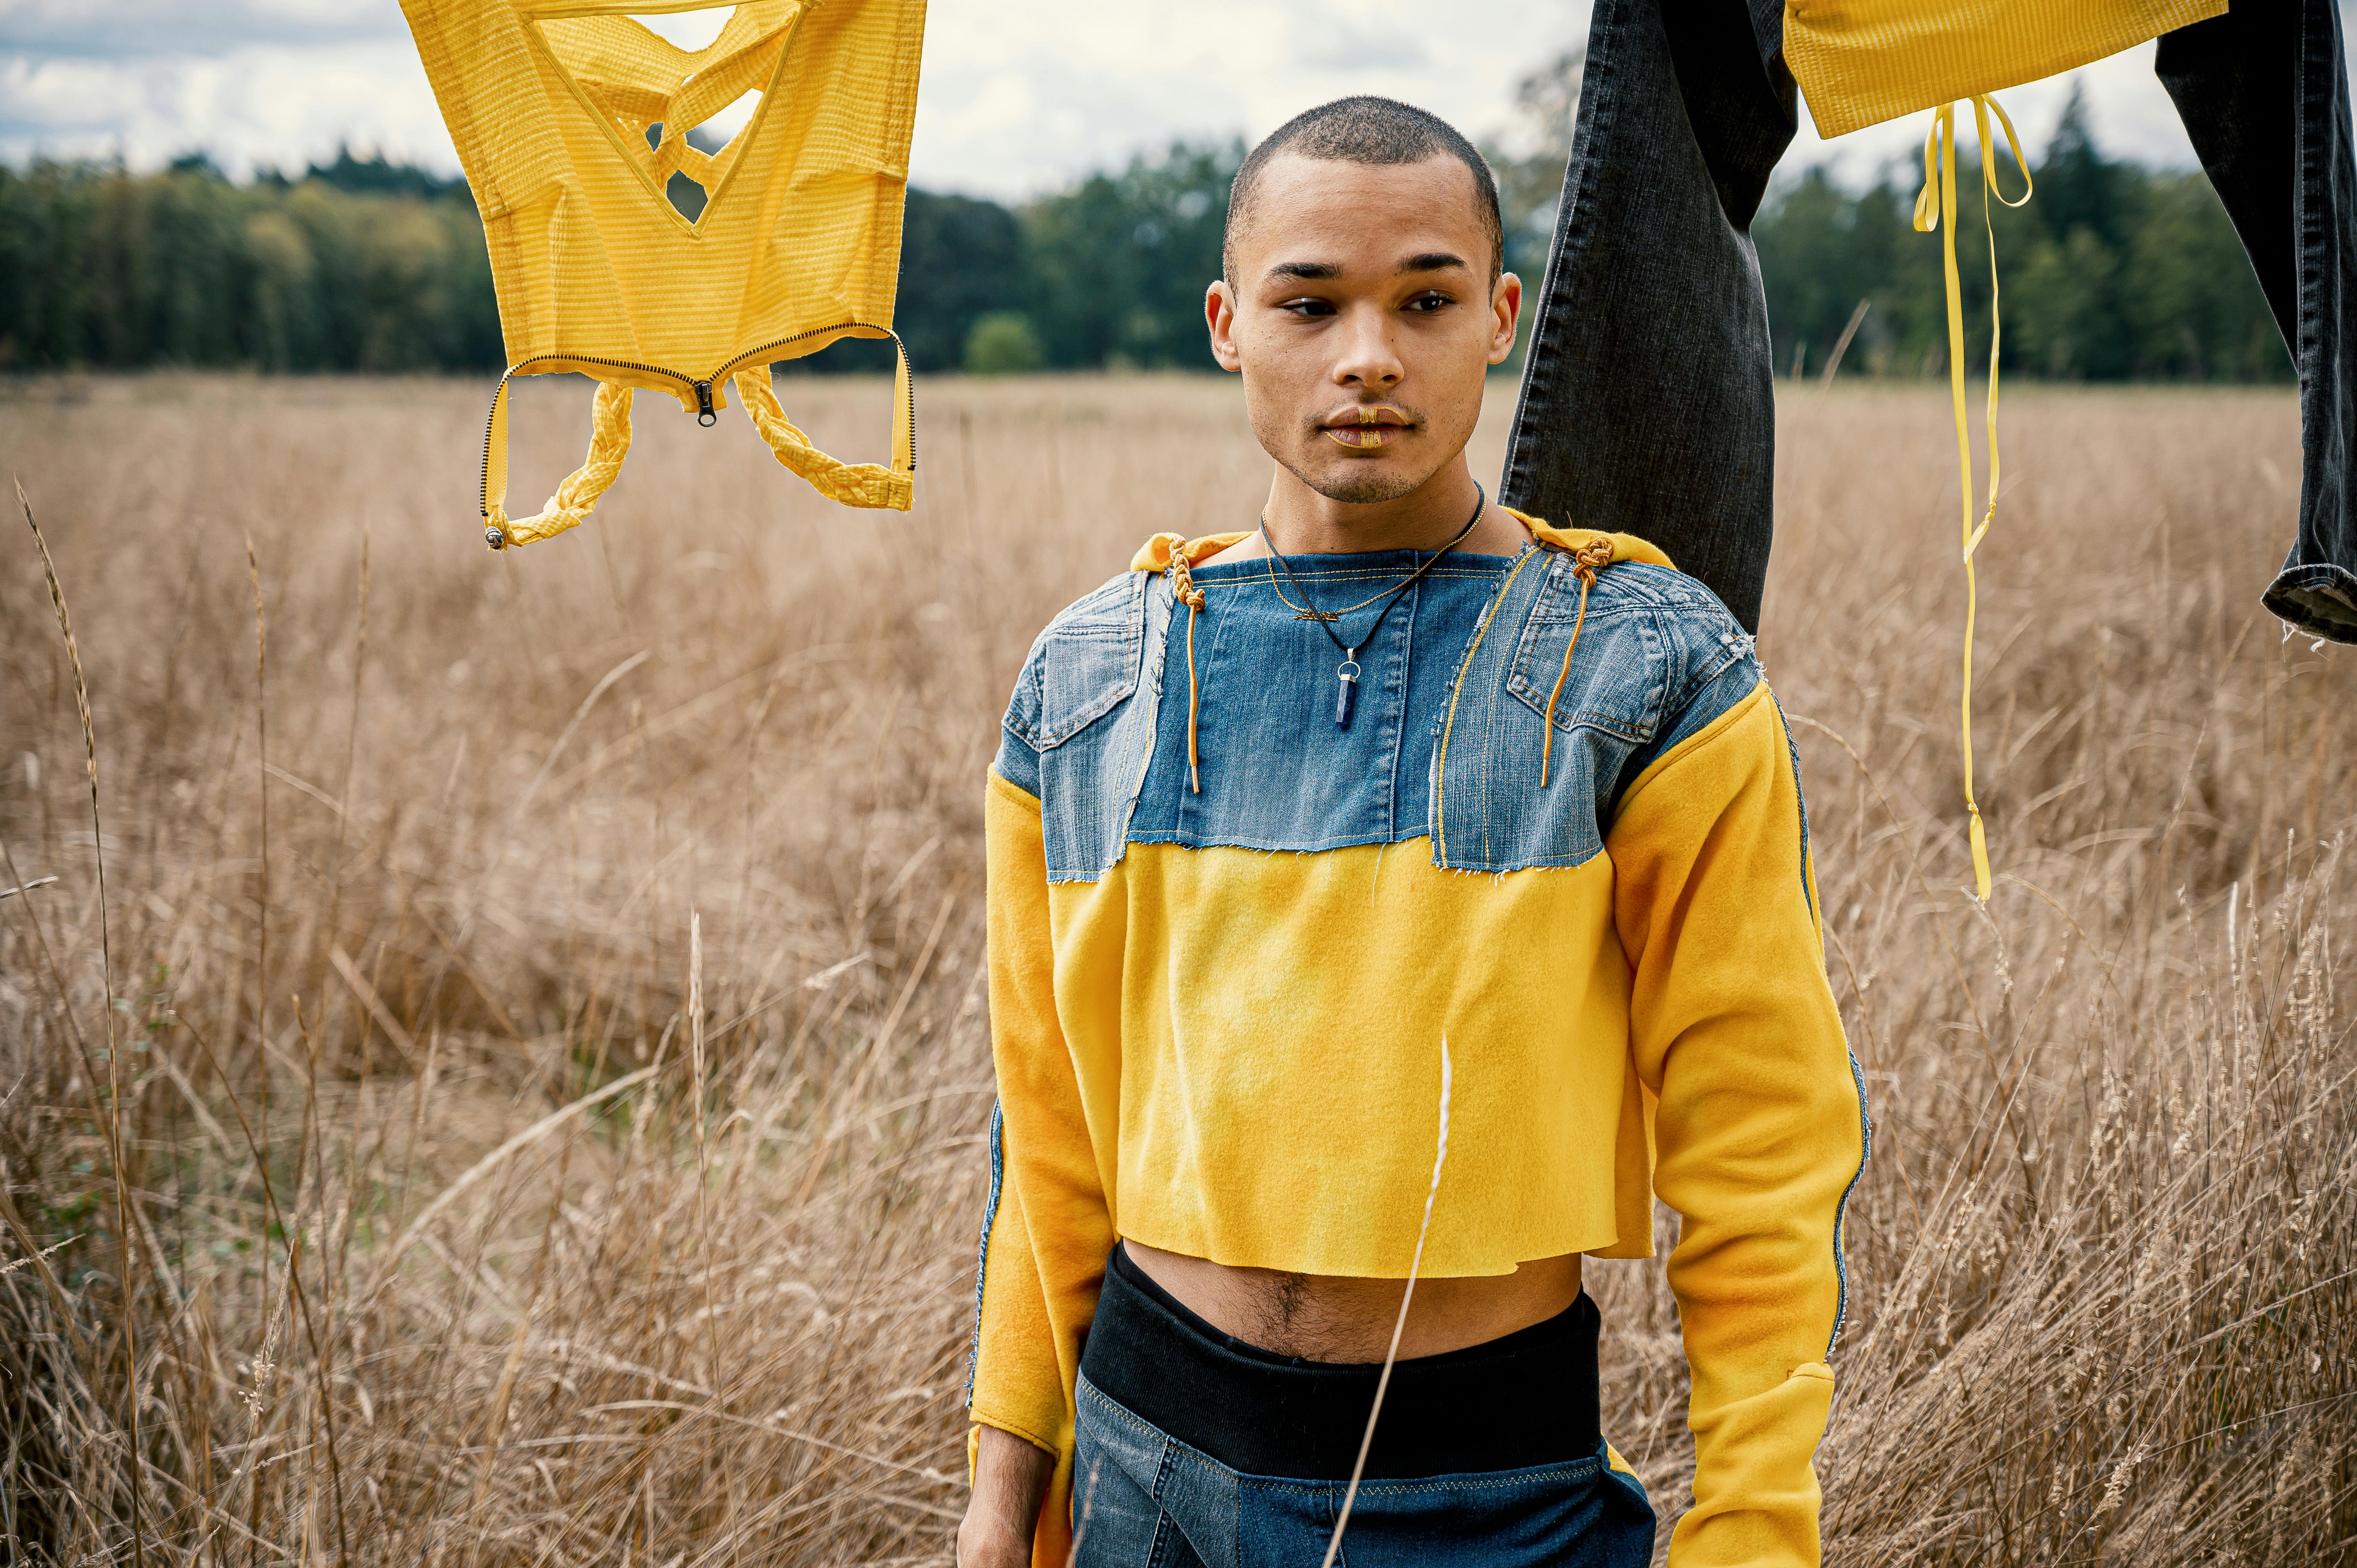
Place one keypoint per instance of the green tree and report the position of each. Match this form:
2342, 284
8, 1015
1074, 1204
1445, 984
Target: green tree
361, 267
2062, 311
2078, 187
1003, 342
1817, 260
282, 333
2109, 272
2189, 296
1529, 187
961, 258
1117, 266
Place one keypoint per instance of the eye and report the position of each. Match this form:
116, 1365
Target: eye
1308, 309
1429, 301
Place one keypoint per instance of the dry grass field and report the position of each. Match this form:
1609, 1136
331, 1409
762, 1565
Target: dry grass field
535, 1014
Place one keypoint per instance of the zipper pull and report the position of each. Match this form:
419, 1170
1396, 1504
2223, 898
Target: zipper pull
704, 414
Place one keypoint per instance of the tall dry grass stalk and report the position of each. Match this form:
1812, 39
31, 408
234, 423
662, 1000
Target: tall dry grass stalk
1399, 1326
585, 1167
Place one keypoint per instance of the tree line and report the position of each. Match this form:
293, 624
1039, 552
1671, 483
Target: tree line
2110, 271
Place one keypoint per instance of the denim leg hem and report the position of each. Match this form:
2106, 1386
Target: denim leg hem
2319, 599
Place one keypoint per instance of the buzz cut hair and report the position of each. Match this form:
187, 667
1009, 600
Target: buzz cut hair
1364, 130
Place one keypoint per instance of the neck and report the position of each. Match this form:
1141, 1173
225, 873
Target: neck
1301, 520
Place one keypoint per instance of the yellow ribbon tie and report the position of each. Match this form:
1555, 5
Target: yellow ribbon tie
1935, 207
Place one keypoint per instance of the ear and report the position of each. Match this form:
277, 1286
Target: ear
1220, 316
1505, 310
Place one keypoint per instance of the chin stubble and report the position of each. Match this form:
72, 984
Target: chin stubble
1360, 490
1355, 481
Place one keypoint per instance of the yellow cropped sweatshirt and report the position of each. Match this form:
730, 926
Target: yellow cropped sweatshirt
1228, 1051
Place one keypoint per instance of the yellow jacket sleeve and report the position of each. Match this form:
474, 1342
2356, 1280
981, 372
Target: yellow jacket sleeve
1759, 1118
1049, 1228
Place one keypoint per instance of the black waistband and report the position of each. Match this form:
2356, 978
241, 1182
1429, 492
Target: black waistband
1527, 1399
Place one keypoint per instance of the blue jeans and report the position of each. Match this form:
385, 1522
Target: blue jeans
1648, 405
1143, 1499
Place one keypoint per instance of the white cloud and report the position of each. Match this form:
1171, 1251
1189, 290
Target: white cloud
275, 83
120, 29
1019, 96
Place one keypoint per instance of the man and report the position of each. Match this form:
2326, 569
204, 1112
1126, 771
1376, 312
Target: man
1220, 1068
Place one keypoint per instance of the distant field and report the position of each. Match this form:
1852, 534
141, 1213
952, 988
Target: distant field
683, 808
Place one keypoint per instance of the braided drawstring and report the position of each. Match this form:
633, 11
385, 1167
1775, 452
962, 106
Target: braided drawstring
1586, 562
1182, 582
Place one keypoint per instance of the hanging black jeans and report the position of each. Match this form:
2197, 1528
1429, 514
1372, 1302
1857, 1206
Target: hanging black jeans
1648, 403
2281, 161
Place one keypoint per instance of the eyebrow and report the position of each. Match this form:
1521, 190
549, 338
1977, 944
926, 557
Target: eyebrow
1427, 262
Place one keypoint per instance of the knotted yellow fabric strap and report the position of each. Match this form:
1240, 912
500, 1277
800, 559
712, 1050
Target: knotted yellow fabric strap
1174, 556
609, 442
853, 484
1590, 551
1935, 207
1572, 540
1157, 553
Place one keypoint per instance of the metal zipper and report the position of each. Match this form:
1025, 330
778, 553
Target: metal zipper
753, 355
705, 414
492, 535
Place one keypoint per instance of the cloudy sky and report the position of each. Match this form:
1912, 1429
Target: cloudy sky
1019, 95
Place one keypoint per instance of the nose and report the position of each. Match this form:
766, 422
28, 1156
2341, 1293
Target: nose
1369, 358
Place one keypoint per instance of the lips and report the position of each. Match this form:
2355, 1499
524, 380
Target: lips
1367, 427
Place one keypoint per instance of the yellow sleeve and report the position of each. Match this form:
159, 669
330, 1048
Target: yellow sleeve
1760, 1122
1049, 1228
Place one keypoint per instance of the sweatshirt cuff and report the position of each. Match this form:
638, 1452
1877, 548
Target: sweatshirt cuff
1756, 1495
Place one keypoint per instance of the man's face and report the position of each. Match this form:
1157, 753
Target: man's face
1363, 320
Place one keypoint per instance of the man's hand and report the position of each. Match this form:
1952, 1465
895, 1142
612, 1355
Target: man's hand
1010, 1480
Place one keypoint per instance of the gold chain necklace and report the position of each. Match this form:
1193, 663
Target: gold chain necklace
1303, 612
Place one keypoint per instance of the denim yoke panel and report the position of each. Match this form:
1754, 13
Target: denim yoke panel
1278, 772
1086, 702
1090, 695
1650, 639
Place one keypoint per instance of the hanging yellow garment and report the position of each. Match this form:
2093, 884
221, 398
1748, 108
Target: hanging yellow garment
1860, 62
551, 104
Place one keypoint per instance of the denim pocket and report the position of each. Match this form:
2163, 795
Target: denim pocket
1525, 774
1086, 703
1619, 685
1084, 665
